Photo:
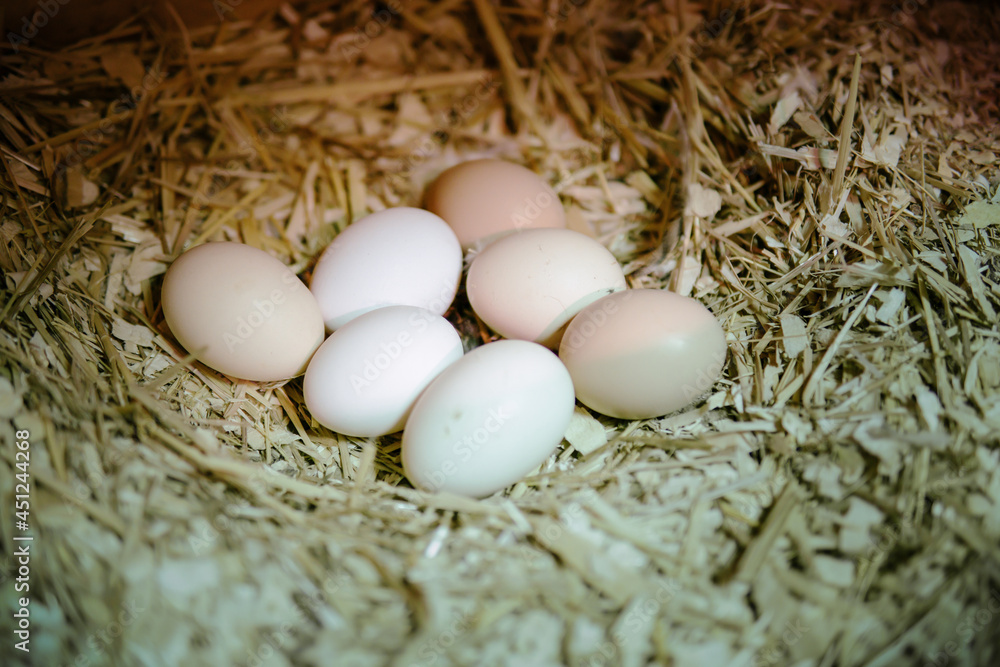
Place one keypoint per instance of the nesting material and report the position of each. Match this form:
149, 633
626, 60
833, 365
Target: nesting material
823, 176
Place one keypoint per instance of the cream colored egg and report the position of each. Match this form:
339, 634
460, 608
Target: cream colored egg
643, 353
483, 200
397, 257
241, 311
530, 285
488, 420
364, 380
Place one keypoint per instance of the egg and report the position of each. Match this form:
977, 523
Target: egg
364, 380
489, 419
485, 199
530, 285
643, 353
400, 256
241, 311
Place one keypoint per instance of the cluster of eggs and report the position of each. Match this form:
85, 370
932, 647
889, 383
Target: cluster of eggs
472, 423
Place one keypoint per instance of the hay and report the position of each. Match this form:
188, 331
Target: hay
824, 177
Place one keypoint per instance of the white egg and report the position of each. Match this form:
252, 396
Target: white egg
400, 256
489, 419
365, 378
530, 285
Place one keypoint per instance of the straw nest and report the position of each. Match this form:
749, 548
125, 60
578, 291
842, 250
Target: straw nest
822, 175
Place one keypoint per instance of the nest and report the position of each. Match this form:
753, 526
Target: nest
822, 175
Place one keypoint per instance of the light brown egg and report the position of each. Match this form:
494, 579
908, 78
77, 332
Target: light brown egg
242, 312
530, 285
643, 353
483, 200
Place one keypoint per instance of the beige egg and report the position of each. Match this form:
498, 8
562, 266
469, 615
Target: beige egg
242, 312
530, 285
483, 200
643, 353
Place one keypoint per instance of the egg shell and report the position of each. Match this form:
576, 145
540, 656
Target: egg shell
364, 380
241, 311
489, 419
643, 353
397, 257
530, 285
483, 200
